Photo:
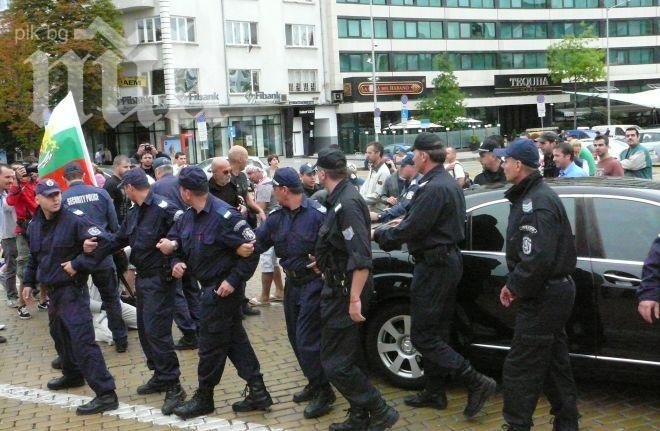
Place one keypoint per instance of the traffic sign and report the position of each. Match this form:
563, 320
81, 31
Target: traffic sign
540, 109
377, 125
404, 99
377, 112
404, 115
540, 98
232, 131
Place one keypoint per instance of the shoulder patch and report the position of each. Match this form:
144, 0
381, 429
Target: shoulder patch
320, 208
162, 204
528, 228
274, 210
337, 207
77, 212
423, 184
239, 225
527, 245
410, 194
178, 215
227, 214
348, 233
527, 206
248, 234
94, 231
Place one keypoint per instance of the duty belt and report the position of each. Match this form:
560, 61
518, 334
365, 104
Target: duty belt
559, 280
302, 276
419, 255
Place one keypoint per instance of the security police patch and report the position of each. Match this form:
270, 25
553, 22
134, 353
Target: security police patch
527, 206
527, 245
348, 233
94, 231
248, 234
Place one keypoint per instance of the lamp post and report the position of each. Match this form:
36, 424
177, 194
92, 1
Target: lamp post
373, 67
607, 55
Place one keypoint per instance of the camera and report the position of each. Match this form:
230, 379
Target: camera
148, 148
30, 168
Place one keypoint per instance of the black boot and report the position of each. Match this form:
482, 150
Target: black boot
187, 342
174, 397
121, 346
564, 424
256, 398
382, 416
426, 398
358, 420
509, 427
200, 404
321, 403
101, 403
65, 382
152, 387
307, 394
480, 388
56, 363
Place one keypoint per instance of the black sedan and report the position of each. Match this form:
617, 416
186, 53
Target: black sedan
614, 222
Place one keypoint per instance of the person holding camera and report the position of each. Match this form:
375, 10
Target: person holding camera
22, 197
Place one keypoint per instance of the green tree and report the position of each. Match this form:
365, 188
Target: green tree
50, 26
445, 103
574, 59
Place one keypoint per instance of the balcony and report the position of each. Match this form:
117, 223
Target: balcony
134, 5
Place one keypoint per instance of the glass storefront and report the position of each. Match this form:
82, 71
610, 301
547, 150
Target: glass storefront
130, 134
260, 134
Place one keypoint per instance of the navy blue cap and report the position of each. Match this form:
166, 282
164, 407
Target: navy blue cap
135, 177
161, 161
306, 169
72, 168
193, 178
331, 158
522, 149
47, 187
407, 161
426, 141
287, 177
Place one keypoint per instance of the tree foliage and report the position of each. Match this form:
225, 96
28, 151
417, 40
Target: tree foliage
575, 59
50, 26
445, 103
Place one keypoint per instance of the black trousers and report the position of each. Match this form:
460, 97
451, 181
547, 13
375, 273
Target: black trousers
538, 360
340, 339
221, 335
432, 304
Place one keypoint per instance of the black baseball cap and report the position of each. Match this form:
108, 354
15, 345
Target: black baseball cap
47, 187
287, 177
331, 158
135, 177
426, 141
522, 149
306, 169
193, 178
407, 161
72, 168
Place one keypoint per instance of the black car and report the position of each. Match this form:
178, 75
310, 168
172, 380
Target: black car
614, 222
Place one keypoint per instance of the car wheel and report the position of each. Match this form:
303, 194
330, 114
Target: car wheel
389, 349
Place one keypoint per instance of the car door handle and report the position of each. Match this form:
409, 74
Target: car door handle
616, 278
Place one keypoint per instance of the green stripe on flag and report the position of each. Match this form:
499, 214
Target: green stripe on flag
64, 147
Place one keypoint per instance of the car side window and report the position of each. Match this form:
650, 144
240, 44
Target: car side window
489, 223
624, 229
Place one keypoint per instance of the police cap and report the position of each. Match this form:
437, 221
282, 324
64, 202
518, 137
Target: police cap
407, 161
161, 161
306, 169
426, 141
135, 177
522, 149
287, 177
47, 187
72, 168
331, 158
193, 178
547, 137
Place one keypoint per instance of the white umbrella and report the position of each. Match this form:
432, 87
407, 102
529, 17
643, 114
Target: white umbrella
413, 124
467, 120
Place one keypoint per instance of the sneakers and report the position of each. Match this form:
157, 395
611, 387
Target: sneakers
23, 313
43, 306
12, 303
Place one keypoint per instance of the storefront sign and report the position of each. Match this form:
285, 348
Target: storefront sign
131, 101
132, 81
260, 96
198, 99
525, 84
387, 88
391, 88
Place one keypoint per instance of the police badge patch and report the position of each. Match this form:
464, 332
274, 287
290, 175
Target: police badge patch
348, 233
162, 204
527, 245
527, 206
94, 231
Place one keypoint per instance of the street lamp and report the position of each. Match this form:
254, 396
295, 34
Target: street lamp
607, 55
373, 67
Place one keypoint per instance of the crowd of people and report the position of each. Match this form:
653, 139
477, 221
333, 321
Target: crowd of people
194, 242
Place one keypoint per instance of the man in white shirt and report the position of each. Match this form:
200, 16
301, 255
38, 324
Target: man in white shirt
372, 189
454, 167
180, 162
7, 229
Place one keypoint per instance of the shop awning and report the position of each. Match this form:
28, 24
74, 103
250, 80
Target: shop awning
649, 99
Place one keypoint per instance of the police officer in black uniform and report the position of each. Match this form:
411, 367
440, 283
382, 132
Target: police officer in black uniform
541, 256
57, 261
432, 228
146, 222
98, 205
207, 237
292, 229
343, 254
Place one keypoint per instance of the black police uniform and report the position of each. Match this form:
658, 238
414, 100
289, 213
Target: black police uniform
155, 287
98, 205
649, 289
186, 309
293, 233
432, 228
489, 177
207, 241
343, 246
53, 242
541, 256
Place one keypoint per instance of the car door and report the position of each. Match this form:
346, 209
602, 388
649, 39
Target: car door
621, 232
485, 271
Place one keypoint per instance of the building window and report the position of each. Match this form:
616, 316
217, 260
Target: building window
523, 4
241, 33
299, 35
563, 29
488, 4
302, 81
361, 28
473, 61
416, 29
361, 62
631, 28
573, 4
362, 1
631, 56
148, 30
157, 82
519, 30
415, 2
523, 60
183, 29
186, 81
471, 30
243, 81
632, 3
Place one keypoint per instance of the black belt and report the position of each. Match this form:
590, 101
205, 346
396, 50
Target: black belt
302, 276
144, 273
559, 280
418, 255
68, 283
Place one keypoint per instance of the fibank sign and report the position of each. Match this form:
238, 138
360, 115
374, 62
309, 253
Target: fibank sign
261, 97
524, 84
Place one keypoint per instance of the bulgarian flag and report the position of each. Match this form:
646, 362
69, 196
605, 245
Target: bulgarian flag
64, 143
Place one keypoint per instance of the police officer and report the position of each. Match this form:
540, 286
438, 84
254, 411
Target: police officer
541, 255
411, 177
56, 261
648, 292
186, 310
343, 254
98, 205
146, 222
207, 237
432, 228
292, 229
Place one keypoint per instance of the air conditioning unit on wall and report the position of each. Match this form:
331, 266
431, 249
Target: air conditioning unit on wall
337, 96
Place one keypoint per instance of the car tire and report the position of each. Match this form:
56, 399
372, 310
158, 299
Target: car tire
388, 347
